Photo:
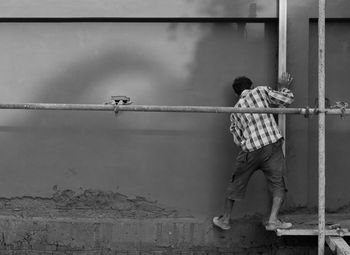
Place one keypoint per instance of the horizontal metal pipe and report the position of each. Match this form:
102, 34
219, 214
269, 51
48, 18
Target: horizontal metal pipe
166, 108
206, 109
71, 107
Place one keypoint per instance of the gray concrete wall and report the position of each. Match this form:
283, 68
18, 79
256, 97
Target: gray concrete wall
64, 62
337, 137
302, 62
180, 160
153, 165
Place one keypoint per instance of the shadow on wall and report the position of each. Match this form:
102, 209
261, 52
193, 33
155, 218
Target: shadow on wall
162, 156
228, 51
89, 72
74, 149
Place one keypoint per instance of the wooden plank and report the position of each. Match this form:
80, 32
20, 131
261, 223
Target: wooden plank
338, 245
311, 232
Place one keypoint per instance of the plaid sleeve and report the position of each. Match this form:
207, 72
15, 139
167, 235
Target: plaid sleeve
236, 131
282, 97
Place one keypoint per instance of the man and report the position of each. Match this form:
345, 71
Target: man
260, 143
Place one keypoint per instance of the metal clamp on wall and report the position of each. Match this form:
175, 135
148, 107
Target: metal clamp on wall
119, 100
307, 112
342, 106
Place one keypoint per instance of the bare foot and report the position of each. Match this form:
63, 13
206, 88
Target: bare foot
273, 225
221, 223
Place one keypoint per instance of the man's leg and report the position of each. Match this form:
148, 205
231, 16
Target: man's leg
227, 210
274, 223
245, 167
276, 205
274, 169
223, 221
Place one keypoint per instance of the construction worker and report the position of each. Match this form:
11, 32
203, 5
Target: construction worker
260, 142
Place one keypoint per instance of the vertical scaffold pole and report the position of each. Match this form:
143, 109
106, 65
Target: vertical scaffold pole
282, 56
321, 127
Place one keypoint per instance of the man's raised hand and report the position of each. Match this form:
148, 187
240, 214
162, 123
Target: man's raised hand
285, 81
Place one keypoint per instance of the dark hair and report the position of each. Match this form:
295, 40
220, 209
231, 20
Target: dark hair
240, 84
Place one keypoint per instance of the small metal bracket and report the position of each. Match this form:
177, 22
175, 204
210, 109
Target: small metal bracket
119, 100
342, 106
307, 112
339, 230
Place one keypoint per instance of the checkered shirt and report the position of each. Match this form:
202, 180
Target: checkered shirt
253, 131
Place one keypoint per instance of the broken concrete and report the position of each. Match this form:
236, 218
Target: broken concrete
105, 222
100, 222
87, 203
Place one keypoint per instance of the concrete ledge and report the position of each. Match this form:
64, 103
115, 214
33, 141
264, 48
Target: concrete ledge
110, 235
59, 235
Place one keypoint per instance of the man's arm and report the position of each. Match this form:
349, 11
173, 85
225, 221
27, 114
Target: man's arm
235, 130
284, 96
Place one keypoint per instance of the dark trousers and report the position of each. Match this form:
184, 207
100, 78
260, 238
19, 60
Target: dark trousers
270, 160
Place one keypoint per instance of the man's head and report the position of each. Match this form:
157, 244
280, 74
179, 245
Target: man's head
240, 84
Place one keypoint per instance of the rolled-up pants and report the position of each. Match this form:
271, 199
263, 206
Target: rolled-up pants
270, 160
